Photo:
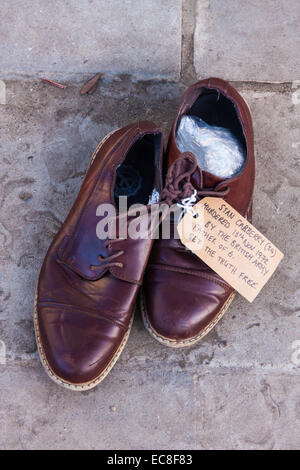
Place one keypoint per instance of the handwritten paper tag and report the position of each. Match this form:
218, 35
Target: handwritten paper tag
230, 245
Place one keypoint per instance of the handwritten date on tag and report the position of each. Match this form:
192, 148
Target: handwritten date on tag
230, 245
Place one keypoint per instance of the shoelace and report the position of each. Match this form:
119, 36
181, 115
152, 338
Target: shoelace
178, 187
108, 261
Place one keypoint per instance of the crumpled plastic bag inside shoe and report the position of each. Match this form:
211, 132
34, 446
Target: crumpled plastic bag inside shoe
216, 149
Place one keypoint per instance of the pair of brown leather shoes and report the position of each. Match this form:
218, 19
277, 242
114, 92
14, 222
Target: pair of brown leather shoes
89, 282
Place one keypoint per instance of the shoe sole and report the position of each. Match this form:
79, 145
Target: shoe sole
58, 380
186, 342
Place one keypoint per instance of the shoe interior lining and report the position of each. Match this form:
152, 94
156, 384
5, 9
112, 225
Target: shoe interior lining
217, 110
136, 175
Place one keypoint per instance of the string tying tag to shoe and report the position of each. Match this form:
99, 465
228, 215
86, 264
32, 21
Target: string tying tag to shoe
187, 205
229, 244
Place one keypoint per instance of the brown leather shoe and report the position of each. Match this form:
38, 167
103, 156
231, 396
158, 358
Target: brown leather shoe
182, 297
87, 287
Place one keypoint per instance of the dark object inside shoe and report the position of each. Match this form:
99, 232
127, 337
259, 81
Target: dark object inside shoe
136, 176
217, 110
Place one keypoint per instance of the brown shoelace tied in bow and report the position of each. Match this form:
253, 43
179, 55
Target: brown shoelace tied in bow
178, 184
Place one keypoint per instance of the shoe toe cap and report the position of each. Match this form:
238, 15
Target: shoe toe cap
179, 306
78, 347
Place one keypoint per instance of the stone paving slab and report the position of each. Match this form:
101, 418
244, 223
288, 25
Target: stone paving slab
151, 409
254, 40
140, 38
232, 373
